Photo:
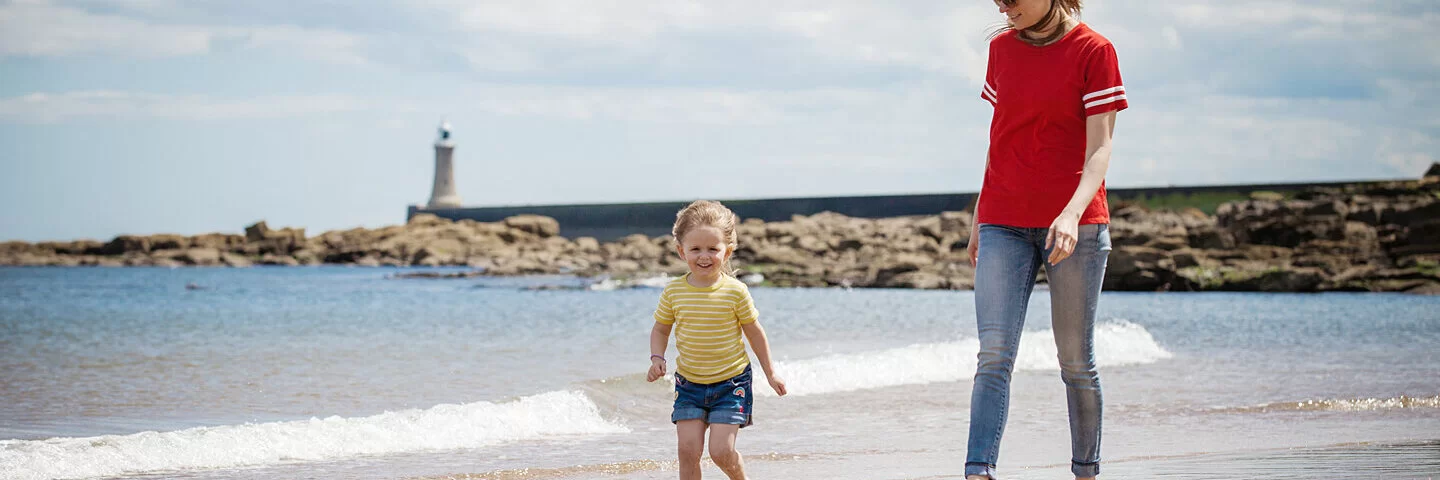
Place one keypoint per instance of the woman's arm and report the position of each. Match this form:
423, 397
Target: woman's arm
972, 246
1098, 131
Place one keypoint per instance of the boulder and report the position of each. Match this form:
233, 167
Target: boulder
196, 256
168, 242
426, 220
124, 244
541, 226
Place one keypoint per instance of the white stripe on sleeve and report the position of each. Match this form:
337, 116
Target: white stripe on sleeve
1101, 93
1105, 101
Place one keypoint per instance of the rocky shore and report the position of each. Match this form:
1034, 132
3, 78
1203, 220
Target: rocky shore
1368, 237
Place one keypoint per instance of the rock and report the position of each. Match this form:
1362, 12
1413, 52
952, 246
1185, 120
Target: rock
930, 227
1428, 288
126, 244
1185, 258
624, 266
306, 257
1168, 243
282, 260
922, 280
812, 244
846, 244
1331, 208
437, 275
78, 247
587, 244
1210, 238
1138, 269
535, 224
168, 242
955, 222
888, 269
782, 255
257, 232
197, 256
235, 261
1272, 279
442, 251
426, 220
218, 241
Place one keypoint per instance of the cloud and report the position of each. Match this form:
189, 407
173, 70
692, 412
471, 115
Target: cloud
1407, 152
55, 108
30, 28
37, 28
1222, 89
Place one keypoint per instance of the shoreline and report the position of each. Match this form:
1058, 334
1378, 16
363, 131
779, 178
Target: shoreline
1376, 237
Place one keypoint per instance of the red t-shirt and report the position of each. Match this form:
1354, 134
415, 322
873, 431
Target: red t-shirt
1042, 96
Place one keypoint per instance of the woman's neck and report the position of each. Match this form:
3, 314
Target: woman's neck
1053, 33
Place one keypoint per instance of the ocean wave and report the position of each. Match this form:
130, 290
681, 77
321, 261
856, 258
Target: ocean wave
442, 427
1339, 405
1116, 343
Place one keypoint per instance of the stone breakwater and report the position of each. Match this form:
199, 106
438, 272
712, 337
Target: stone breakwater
1372, 237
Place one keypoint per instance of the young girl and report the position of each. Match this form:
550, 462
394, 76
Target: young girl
711, 309
1055, 85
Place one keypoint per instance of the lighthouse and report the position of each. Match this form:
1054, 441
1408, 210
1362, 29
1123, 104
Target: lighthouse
443, 195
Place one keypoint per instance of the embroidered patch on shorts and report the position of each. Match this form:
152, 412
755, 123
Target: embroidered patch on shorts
739, 392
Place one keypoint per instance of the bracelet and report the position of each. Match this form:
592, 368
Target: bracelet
661, 357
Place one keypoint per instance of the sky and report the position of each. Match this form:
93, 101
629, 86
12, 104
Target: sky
196, 116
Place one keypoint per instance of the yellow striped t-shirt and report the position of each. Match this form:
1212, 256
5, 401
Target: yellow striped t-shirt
707, 327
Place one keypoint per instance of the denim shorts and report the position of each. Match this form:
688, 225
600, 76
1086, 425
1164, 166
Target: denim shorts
725, 402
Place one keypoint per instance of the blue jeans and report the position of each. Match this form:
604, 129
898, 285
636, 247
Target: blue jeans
1006, 266
725, 402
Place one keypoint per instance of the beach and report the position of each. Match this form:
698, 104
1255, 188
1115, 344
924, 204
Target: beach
338, 372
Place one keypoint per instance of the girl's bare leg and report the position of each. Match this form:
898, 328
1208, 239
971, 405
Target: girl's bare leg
691, 444
722, 450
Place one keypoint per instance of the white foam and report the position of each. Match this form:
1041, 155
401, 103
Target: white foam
1116, 343
441, 427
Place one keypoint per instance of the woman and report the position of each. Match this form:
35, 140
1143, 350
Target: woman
1055, 85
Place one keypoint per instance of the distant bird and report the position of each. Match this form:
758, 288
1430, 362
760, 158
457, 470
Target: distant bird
193, 286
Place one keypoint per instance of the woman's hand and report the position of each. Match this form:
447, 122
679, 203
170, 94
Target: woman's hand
973, 246
1062, 237
657, 369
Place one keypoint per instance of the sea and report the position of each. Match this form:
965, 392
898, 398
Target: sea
354, 373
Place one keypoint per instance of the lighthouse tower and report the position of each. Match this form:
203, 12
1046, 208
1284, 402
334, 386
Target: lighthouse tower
443, 195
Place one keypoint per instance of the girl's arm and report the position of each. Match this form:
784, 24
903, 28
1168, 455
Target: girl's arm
659, 339
761, 345
1098, 131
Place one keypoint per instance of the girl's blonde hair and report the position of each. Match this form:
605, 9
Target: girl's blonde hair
709, 213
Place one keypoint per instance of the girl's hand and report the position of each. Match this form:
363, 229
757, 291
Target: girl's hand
777, 384
1062, 236
657, 370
